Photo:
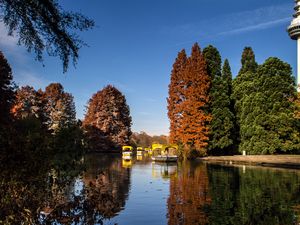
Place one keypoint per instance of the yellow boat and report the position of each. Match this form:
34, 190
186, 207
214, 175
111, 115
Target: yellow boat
139, 151
127, 152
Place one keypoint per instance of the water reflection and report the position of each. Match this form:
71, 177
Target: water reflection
217, 195
256, 196
189, 195
99, 195
110, 190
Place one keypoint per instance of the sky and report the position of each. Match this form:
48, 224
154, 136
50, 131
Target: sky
135, 42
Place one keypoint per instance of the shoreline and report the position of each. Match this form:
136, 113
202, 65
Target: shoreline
280, 161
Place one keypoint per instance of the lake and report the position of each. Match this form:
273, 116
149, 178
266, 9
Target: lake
110, 190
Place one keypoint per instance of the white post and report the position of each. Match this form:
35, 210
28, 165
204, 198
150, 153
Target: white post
298, 65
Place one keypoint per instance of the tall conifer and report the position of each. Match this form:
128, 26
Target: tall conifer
222, 124
6, 90
242, 85
176, 97
266, 118
195, 116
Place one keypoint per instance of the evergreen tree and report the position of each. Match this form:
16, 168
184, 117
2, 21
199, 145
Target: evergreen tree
176, 96
246, 75
108, 120
194, 131
213, 61
59, 108
266, 117
6, 90
42, 25
222, 123
242, 85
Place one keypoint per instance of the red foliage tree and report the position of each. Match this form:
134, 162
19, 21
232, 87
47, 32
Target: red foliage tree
189, 196
176, 97
195, 117
29, 102
59, 107
108, 120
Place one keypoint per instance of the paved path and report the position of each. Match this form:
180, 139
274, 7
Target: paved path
286, 161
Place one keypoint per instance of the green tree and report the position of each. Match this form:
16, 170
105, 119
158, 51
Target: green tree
267, 124
43, 26
241, 85
6, 91
222, 123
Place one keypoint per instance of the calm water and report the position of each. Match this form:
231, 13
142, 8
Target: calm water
140, 192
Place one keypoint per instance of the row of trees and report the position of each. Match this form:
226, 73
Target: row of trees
41, 142
210, 113
146, 140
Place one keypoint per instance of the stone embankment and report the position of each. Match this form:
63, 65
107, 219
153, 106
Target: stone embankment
283, 161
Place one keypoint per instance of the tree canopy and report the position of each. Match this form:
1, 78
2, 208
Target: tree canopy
43, 26
108, 120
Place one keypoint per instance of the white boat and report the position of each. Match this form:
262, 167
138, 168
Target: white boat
165, 158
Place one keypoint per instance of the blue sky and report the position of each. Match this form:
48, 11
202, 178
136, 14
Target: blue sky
135, 43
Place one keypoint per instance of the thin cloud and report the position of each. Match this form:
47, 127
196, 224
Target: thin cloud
232, 24
6, 40
260, 26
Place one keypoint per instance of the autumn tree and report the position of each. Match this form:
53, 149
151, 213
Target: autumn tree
175, 98
59, 107
42, 25
108, 120
267, 124
194, 131
222, 123
6, 90
29, 102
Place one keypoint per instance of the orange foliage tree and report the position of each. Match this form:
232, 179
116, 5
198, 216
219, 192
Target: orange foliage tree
176, 97
108, 120
189, 196
194, 131
28, 102
188, 102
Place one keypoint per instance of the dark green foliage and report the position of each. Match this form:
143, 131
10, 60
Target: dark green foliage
267, 124
222, 123
43, 26
248, 61
213, 61
252, 196
6, 91
242, 83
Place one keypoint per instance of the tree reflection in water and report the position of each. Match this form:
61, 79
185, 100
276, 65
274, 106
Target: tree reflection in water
257, 196
105, 187
220, 195
189, 195
62, 195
